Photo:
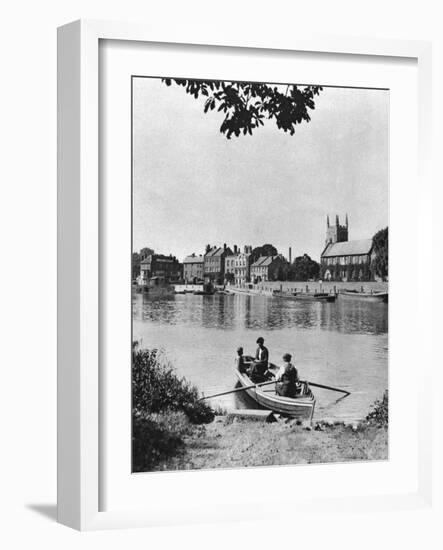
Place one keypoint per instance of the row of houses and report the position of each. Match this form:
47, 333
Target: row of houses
221, 264
341, 260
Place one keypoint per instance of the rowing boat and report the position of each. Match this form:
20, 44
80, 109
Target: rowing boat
300, 407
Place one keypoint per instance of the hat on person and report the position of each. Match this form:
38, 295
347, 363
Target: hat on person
260, 340
239, 349
287, 357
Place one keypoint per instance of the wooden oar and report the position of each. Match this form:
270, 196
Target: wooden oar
328, 387
237, 389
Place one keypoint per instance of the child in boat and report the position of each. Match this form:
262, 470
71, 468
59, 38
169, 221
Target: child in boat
240, 360
288, 384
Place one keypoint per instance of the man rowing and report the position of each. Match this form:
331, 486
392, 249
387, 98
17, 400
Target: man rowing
259, 365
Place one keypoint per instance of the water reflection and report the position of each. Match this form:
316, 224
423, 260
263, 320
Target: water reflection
263, 313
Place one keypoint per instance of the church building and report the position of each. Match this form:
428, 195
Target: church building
344, 260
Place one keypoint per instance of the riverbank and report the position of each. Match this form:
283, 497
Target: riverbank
231, 442
247, 443
268, 287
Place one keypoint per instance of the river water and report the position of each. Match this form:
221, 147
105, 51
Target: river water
342, 344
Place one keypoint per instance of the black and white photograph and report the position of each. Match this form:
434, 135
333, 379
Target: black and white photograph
230, 334
260, 219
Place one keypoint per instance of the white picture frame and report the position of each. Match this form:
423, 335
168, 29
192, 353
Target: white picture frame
79, 411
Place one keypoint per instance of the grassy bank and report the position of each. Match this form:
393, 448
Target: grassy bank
245, 443
172, 430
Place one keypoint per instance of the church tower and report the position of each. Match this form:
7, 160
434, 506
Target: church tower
336, 233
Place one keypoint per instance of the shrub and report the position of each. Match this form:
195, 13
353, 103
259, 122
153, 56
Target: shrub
163, 406
198, 412
156, 388
379, 415
156, 438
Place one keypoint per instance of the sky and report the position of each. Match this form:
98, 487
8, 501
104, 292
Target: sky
192, 186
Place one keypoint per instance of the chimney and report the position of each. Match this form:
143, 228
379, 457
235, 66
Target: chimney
290, 255
224, 246
235, 249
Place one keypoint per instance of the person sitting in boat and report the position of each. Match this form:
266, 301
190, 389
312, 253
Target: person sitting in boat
288, 383
260, 364
240, 361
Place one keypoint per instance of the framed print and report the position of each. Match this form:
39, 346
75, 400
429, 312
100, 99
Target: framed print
230, 313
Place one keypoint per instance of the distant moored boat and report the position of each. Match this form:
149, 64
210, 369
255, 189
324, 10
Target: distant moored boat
309, 296
207, 290
377, 296
157, 287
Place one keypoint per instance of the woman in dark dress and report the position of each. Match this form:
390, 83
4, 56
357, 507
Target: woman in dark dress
287, 380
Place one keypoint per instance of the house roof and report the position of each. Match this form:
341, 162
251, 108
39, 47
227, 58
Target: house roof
193, 259
264, 261
147, 260
152, 257
218, 251
212, 251
348, 248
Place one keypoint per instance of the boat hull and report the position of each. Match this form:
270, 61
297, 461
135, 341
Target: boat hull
365, 296
320, 297
301, 407
155, 292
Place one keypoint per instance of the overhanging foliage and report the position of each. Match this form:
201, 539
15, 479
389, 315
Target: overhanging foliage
246, 105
